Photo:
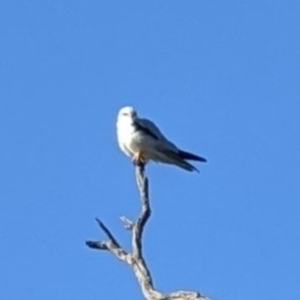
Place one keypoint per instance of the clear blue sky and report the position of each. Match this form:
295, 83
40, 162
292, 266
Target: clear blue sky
221, 78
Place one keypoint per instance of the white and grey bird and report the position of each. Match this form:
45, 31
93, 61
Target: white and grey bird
141, 140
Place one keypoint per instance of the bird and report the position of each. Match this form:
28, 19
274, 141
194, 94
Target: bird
142, 141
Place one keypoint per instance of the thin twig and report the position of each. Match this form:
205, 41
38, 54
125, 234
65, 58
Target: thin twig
108, 233
128, 224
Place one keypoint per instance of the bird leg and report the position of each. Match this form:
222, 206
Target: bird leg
139, 159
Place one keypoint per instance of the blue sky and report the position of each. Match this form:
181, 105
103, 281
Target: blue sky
221, 78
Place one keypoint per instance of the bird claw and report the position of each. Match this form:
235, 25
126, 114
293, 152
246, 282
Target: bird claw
139, 160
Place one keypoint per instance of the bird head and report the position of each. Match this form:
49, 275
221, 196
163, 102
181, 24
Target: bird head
127, 112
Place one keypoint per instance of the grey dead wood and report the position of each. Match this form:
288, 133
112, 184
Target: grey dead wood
135, 258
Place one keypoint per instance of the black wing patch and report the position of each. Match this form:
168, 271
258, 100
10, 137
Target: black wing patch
139, 127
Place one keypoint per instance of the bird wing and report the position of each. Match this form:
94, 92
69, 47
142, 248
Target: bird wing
173, 158
164, 150
149, 128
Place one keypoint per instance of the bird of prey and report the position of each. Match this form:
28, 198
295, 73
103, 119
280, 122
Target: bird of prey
141, 140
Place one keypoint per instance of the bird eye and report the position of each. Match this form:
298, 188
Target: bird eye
125, 114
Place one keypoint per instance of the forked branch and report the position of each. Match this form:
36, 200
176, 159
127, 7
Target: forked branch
135, 258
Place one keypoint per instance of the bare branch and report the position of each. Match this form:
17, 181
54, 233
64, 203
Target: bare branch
128, 224
138, 228
135, 259
108, 233
97, 245
112, 245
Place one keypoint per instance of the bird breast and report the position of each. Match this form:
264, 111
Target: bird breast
131, 139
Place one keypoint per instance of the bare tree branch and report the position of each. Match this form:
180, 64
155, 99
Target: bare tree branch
128, 224
135, 259
107, 232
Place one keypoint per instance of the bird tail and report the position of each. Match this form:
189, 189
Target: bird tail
186, 166
174, 158
190, 156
